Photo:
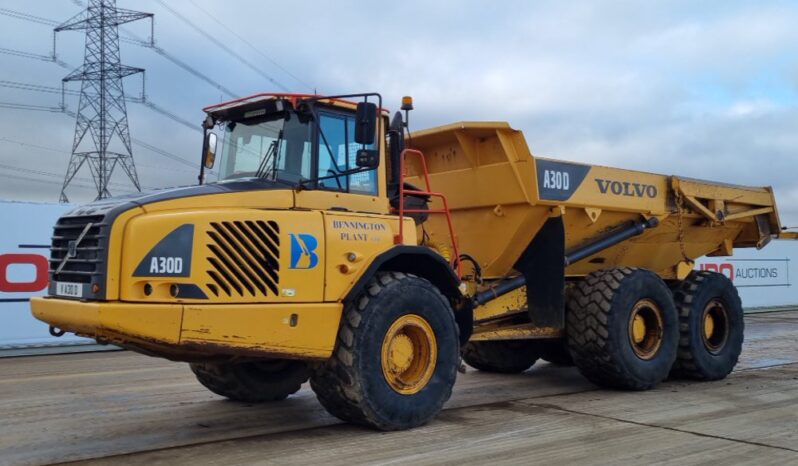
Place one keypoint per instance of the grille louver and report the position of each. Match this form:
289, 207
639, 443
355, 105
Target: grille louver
89, 253
245, 258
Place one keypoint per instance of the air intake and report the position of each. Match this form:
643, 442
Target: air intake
245, 258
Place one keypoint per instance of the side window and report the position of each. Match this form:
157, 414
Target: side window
337, 153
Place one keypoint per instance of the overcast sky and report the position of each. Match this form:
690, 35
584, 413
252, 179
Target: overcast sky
669, 87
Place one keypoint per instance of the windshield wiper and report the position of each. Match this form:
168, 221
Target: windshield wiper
271, 153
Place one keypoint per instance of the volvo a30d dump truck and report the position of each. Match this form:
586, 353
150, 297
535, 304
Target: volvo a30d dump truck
339, 248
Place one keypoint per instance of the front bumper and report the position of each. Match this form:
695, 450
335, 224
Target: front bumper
187, 331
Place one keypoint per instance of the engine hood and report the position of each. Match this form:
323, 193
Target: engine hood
118, 204
102, 219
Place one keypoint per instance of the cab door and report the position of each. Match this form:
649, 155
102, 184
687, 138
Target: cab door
334, 153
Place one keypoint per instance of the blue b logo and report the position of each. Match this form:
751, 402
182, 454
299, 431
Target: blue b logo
303, 246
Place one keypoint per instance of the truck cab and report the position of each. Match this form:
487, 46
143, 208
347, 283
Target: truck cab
303, 144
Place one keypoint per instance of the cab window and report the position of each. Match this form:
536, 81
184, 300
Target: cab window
337, 153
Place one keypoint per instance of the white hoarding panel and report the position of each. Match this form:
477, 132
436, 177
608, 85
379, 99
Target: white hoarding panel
762, 277
24, 252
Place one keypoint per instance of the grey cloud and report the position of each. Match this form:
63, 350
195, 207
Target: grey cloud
613, 82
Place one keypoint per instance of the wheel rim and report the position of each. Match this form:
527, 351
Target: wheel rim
409, 352
715, 326
646, 328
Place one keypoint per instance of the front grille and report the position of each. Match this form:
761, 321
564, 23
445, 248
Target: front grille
89, 254
245, 258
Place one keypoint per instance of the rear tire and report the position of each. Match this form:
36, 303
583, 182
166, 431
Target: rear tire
711, 324
253, 381
622, 328
556, 351
396, 358
502, 356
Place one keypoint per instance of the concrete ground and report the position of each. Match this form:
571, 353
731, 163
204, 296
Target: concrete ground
122, 408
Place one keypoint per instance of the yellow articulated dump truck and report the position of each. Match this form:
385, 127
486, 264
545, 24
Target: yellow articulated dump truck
340, 248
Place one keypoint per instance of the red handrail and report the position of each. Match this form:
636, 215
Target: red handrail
399, 239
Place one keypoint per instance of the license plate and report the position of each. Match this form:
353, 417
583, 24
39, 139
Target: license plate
73, 290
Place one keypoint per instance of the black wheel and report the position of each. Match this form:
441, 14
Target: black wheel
396, 358
252, 381
503, 356
711, 325
556, 352
622, 328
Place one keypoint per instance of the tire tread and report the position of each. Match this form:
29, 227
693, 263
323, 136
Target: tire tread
335, 383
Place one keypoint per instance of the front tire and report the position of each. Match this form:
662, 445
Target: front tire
622, 328
711, 324
396, 358
252, 381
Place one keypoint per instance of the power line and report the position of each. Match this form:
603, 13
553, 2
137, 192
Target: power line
27, 17
35, 56
192, 71
135, 40
163, 153
138, 142
36, 88
35, 146
39, 108
54, 90
151, 148
249, 44
221, 45
152, 106
52, 175
61, 151
39, 180
30, 171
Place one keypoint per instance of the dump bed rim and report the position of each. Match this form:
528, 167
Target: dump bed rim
420, 135
680, 177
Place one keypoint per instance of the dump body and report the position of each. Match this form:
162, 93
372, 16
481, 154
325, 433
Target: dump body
501, 195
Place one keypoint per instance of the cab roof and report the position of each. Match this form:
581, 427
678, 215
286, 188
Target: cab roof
253, 100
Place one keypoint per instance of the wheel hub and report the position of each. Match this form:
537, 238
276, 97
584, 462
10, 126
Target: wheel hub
638, 329
400, 353
716, 326
409, 353
646, 328
709, 326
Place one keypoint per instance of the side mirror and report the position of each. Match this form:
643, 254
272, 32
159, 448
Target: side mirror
366, 123
367, 158
209, 157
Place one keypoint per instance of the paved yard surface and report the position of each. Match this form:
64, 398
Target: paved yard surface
121, 408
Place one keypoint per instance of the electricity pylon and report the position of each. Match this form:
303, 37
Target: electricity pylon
102, 112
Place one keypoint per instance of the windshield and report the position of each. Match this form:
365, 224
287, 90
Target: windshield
280, 147
274, 148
